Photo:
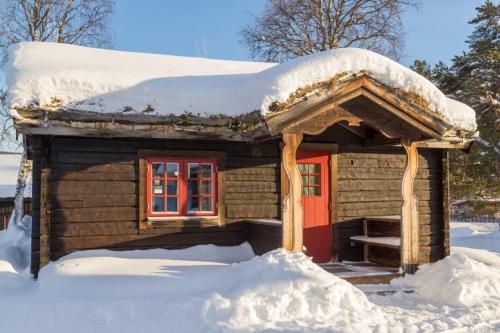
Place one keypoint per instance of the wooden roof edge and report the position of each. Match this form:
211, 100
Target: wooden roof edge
349, 87
69, 122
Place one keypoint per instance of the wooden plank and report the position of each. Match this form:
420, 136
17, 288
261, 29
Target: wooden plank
252, 211
252, 196
46, 204
250, 187
292, 215
145, 240
381, 173
86, 200
90, 176
93, 187
95, 214
382, 195
95, 168
446, 200
246, 162
75, 229
267, 172
334, 207
93, 158
409, 211
349, 185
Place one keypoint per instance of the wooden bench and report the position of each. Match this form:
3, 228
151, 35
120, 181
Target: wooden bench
370, 238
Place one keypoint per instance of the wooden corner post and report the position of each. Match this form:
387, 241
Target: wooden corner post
409, 210
292, 215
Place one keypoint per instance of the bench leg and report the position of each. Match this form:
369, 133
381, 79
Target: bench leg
365, 252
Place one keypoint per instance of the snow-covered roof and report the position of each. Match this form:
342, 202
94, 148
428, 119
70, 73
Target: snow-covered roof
105, 81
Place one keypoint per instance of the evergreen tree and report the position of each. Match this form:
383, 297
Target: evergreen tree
474, 78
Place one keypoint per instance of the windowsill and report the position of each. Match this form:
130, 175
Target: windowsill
181, 218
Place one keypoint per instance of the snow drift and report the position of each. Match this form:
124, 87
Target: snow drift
87, 79
15, 254
455, 280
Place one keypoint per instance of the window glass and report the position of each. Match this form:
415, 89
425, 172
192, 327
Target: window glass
172, 187
172, 170
158, 185
193, 187
158, 169
206, 187
172, 204
181, 187
206, 204
158, 204
311, 178
193, 204
206, 170
193, 170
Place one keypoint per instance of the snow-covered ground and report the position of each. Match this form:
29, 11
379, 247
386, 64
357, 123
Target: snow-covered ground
228, 289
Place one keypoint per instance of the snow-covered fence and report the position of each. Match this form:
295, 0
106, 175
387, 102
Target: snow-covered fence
475, 218
6, 208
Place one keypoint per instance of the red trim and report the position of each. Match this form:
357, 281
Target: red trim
182, 188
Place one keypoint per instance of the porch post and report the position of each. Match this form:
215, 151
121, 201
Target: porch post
409, 210
292, 215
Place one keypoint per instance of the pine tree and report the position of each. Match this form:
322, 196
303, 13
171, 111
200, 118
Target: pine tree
474, 78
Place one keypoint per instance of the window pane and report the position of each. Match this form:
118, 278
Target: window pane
158, 169
206, 187
157, 186
172, 187
315, 191
206, 204
314, 180
302, 168
172, 170
193, 187
158, 204
172, 204
193, 170
304, 190
193, 204
305, 180
314, 168
206, 170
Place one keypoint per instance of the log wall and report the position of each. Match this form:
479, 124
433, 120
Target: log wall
94, 192
369, 183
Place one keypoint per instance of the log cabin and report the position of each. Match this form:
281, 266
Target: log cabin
342, 155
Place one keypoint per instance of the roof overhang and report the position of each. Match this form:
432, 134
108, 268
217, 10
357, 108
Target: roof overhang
361, 100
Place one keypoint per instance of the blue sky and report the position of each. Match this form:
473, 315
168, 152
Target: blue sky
211, 27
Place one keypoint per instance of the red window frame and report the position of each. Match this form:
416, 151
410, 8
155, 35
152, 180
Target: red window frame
182, 186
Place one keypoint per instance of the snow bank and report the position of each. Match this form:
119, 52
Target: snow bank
15, 254
109, 81
455, 280
485, 236
277, 286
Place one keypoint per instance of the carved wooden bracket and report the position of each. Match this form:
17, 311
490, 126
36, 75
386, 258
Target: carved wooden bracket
292, 208
409, 210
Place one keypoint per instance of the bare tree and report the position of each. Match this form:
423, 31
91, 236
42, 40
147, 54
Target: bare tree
292, 28
81, 22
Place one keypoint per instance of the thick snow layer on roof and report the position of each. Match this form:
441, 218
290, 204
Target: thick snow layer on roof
112, 81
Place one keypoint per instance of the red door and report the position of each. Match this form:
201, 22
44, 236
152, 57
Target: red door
313, 166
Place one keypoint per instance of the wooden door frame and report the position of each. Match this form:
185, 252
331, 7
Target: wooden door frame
286, 190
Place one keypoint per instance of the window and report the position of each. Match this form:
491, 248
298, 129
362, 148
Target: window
181, 187
311, 179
